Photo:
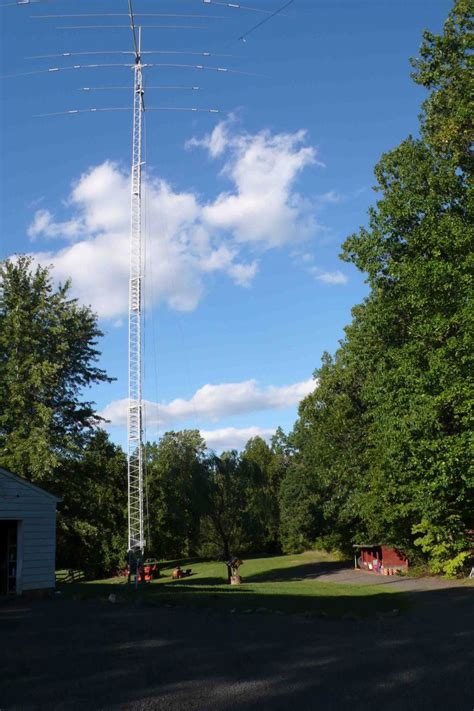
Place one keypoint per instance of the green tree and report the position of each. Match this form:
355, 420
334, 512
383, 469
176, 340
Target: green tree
330, 439
387, 432
417, 252
92, 515
48, 358
233, 523
444, 67
260, 455
176, 476
300, 509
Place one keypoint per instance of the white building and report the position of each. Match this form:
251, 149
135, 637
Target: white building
27, 536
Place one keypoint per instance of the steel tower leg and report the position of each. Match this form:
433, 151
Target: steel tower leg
136, 539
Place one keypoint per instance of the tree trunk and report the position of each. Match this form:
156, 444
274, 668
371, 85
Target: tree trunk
227, 558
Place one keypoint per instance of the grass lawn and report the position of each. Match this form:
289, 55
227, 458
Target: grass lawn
283, 584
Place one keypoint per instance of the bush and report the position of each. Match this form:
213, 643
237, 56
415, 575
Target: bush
447, 545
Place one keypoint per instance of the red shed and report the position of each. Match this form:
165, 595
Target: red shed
381, 559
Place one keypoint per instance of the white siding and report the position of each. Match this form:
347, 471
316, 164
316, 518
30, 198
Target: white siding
36, 512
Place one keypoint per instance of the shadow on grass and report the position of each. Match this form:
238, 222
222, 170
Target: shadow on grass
299, 572
195, 579
283, 573
322, 599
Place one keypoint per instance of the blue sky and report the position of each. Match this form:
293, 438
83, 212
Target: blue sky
245, 210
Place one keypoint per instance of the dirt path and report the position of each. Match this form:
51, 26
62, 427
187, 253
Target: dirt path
64, 654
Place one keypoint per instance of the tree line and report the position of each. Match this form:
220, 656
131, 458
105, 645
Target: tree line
384, 443
382, 448
197, 503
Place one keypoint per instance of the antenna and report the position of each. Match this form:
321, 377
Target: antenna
133, 60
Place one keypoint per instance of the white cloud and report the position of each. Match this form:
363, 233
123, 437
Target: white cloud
44, 224
188, 238
329, 198
179, 251
235, 438
336, 277
243, 274
306, 259
214, 402
215, 142
263, 207
333, 278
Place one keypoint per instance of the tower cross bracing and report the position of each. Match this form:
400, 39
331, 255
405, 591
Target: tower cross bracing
136, 540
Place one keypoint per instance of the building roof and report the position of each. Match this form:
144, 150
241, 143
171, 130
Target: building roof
5, 474
368, 545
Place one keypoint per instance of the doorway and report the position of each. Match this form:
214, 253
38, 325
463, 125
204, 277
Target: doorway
8, 556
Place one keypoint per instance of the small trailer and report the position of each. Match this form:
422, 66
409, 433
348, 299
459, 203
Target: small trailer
380, 559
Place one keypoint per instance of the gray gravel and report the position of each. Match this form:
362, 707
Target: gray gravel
65, 654
392, 582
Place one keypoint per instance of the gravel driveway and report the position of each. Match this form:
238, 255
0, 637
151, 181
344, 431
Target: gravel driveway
398, 583
65, 654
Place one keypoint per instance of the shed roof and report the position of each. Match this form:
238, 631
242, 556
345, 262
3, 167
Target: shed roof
5, 474
368, 545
